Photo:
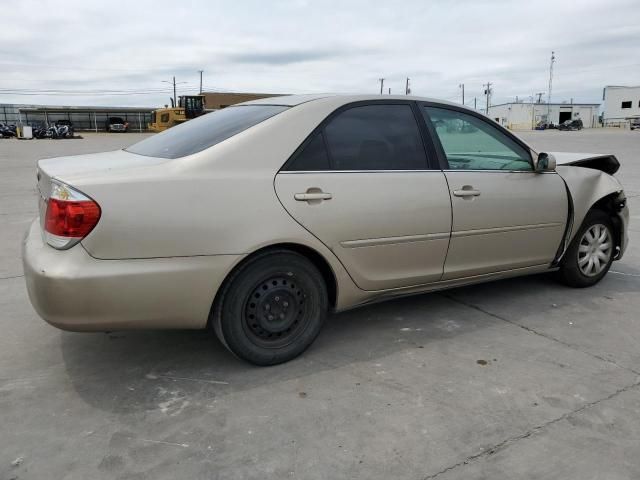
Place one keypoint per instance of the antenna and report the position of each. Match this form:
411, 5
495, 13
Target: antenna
553, 59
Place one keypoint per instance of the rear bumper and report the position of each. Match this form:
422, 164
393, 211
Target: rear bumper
73, 291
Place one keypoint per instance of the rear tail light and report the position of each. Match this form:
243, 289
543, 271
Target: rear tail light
70, 216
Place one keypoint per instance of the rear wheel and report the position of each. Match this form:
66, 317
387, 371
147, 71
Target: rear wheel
589, 257
272, 308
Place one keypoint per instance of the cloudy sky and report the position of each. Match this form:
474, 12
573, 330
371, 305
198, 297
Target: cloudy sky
119, 52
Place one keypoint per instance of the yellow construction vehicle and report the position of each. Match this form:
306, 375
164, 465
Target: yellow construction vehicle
189, 106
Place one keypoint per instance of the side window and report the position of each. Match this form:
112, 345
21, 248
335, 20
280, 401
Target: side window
375, 137
474, 144
313, 157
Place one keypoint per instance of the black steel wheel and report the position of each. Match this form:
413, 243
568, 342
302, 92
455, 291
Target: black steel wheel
272, 308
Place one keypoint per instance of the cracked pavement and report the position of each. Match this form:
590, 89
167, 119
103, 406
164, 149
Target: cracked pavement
518, 379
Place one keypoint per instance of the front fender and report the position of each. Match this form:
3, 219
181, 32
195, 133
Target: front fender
586, 186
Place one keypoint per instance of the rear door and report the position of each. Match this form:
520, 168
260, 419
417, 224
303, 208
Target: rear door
363, 185
505, 215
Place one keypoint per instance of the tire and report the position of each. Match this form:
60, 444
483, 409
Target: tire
253, 316
575, 270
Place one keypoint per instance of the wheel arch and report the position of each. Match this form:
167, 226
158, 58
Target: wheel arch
311, 254
611, 205
588, 189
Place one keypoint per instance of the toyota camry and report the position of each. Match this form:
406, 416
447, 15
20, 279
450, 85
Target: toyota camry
258, 219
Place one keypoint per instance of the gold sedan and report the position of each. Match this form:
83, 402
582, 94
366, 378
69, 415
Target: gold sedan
258, 219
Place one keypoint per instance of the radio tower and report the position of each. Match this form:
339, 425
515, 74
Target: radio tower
553, 59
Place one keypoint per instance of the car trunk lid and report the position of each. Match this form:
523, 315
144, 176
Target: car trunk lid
65, 169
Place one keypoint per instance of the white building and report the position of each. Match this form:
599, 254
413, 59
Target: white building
525, 116
620, 104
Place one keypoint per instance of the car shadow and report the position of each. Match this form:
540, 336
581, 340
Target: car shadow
128, 372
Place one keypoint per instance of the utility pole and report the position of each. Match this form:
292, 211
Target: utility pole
475, 103
407, 90
175, 103
175, 98
539, 94
487, 92
201, 71
462, 86
553, 59
381, 85
533, 112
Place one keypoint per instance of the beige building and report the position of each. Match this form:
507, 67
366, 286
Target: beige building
525, 116
217, 100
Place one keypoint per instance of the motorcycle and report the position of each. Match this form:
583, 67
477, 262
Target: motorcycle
39, 130
60, 130
7, 131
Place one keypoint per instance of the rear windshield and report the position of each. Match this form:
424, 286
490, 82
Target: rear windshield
205, 131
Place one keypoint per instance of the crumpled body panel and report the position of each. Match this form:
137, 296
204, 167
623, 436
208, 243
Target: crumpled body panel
587, 186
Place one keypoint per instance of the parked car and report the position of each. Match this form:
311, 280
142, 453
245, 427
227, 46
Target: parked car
117, 124
571, 125
634, 124
546, 126
258, 219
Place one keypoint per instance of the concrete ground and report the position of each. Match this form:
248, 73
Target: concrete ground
515, 379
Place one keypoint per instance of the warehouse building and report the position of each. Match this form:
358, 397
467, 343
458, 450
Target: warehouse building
525, 116
620, 105
217, 100
83, 118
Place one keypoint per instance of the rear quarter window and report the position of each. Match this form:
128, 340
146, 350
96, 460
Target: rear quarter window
204, 132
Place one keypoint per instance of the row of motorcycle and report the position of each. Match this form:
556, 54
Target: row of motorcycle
56, 130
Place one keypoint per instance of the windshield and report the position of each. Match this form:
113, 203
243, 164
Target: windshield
205, 131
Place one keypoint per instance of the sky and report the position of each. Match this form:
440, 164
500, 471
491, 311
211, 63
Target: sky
121, 53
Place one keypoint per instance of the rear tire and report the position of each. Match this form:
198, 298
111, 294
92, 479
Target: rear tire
272, 308
589, 257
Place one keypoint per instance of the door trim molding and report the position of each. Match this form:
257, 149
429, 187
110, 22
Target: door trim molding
372, 242
489, 231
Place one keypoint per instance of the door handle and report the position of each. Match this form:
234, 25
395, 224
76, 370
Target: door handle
467, 191
310, 196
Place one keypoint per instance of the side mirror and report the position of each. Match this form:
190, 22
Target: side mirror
546, 162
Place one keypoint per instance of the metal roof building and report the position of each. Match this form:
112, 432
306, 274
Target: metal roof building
83, 118
525, 116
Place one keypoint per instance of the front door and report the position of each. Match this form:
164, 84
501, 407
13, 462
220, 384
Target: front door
361, 183
505, 215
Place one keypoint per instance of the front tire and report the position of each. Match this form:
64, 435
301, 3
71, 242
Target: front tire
272, 308
589, 257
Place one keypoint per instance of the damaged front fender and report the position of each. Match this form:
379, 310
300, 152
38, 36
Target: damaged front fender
587, 186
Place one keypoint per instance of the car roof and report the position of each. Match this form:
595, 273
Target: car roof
294, 100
